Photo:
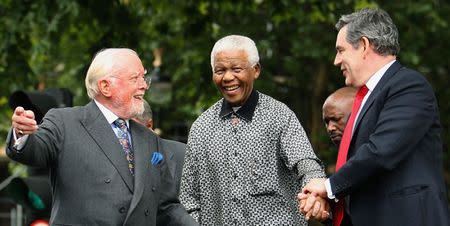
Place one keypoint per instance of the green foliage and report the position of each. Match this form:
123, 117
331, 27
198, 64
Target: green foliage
52, 43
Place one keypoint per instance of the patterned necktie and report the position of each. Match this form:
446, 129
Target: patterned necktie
343, 149
125, 142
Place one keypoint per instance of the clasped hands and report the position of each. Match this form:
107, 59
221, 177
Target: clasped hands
313, 200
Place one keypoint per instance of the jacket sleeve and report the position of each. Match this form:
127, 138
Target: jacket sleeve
42, 147
171, 211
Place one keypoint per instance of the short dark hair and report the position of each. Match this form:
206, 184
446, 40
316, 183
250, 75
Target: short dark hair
374, 24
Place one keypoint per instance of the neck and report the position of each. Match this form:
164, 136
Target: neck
109, 105
375, 63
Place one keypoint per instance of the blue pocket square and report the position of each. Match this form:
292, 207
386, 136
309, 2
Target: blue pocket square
157, 158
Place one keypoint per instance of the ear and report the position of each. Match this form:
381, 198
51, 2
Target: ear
149, 124
257, 69
104, 87
365, 44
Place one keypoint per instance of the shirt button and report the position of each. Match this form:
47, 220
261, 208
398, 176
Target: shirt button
147, 212
122, 210
107, 180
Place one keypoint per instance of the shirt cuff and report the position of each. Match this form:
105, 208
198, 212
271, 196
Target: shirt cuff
329, 192
20, 142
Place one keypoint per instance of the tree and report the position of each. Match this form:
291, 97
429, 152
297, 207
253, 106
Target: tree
51, 43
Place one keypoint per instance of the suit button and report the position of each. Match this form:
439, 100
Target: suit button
153, 189
107, 180
147, 212
122, 210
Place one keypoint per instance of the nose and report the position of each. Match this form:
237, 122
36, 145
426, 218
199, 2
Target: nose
143, 84
228, 76
337, 60
331, 127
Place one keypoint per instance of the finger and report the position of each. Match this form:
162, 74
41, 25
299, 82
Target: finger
301, 196
325, 215
22, 127
316, 209
323, 204
24, 118
19, 111
24, 124
29, 114
302, 205
309, 203
308, 215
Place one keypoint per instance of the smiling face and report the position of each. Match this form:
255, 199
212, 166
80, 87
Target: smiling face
234, 76
122, 91
350, 60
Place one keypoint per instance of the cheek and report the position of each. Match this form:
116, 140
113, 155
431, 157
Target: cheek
216, 80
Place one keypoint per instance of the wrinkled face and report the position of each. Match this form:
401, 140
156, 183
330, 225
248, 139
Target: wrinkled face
234, 76
335, 117
349, 59
128, 87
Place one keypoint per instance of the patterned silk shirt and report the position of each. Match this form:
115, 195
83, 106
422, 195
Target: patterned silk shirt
246, 167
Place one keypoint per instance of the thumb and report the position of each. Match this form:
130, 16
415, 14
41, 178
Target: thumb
19, 111
305, 190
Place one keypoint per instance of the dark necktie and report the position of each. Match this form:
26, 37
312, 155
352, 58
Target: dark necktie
343, 149
125, 142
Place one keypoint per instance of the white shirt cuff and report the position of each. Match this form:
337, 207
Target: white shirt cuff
19, 143
329, 192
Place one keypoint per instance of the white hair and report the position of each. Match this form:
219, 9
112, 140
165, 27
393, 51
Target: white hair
101, 66
236, 42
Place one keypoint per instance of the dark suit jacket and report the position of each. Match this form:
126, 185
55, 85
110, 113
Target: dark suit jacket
91, 183
171, 178
393, 175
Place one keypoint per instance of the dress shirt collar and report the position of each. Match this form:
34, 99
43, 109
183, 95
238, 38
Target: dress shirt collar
373, 81
246, 111
109, 115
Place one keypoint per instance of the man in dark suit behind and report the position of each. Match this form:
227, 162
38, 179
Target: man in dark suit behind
392, 174
174, 151
97, 180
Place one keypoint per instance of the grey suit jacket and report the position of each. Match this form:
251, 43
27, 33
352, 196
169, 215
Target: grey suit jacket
91, 184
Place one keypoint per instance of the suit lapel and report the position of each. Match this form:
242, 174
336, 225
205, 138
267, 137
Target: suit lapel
144, 144
98, 128
394, 68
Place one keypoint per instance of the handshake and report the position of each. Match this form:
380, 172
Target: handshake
313, 200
